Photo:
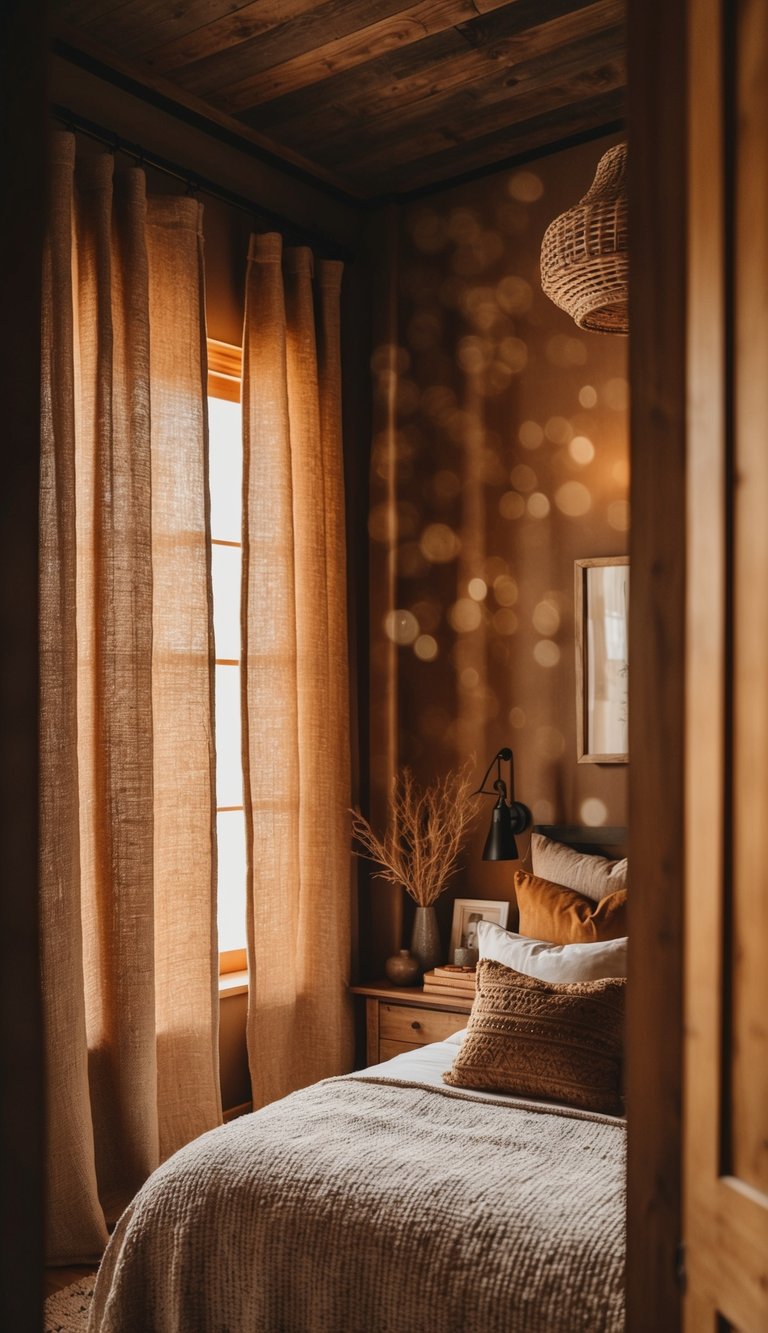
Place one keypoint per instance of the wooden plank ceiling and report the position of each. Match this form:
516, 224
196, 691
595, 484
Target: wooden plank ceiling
379, 96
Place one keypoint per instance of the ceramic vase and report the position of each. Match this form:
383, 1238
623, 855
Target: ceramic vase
403, 969
425, 939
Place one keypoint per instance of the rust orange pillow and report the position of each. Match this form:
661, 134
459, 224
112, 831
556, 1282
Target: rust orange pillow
562, 916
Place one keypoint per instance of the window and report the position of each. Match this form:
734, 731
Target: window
225, 471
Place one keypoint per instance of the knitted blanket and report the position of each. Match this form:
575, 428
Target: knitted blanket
369, 1206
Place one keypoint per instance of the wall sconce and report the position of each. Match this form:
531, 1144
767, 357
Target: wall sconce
509, 816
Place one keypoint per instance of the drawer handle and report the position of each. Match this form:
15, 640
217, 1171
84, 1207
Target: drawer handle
416, 1024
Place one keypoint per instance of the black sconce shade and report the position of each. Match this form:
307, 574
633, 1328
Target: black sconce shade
509, 816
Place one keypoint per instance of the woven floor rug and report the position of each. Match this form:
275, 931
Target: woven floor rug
66, 1311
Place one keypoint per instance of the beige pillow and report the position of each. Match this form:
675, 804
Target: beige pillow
594, 876
540, 1039
552, 962
562, 916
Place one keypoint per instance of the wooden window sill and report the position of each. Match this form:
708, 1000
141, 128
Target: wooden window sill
233, 983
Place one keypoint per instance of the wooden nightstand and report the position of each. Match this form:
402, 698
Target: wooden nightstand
400, 1018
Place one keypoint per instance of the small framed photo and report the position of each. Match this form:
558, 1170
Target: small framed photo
466, 914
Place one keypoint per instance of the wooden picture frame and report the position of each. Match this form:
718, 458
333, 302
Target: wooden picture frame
467, 910
601, 614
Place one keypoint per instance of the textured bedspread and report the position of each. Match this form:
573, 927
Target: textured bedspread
359, 1206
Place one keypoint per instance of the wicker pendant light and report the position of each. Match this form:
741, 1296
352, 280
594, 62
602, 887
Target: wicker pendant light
584, 254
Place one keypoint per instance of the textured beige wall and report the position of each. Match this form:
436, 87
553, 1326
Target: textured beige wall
511, 461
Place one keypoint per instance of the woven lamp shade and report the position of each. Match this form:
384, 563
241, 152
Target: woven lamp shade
584, 254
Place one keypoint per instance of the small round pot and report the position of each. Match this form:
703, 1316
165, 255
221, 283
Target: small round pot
403, 969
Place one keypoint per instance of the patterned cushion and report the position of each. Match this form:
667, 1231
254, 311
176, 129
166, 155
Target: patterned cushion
543, 1039
562, 916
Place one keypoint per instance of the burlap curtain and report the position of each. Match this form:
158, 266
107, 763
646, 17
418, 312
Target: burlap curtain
295, 676
127, 805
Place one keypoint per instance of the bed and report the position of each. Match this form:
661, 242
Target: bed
382, 1202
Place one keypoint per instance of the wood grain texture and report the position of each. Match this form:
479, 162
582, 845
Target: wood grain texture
656, 707
383, 94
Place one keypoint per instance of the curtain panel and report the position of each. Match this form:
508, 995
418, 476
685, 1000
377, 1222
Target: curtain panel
295, 681
127, 860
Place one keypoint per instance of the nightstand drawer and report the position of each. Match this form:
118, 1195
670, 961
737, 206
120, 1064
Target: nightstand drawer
417, 1026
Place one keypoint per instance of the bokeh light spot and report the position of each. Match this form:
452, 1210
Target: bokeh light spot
615, 394
469, 678
410, 561
546, 617
593, 812
618, 515
439, 543
514, 354
588, 395
465, 615
530, 435
516, 718
573, 499
581, 449
523, 477
401, 626
525, 186
511, 504
505, 590
426, 648
559, 430
538, 505
477, 589
546, 653
514, 295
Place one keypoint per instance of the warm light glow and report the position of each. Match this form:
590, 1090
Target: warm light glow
546, 617
401, 626
588, 395
426, 648
477, 589
615, 394
525, 186
530, 435
469, 678
465, 615
505, 621
514, 295
620, 471
538, 505
516, 717
505, 590
618, 515
593, 812
439, 543
558, 430
546, 653
581, 449
573, 499
523, 478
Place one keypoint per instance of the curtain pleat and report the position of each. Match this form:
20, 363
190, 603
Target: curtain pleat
295, 674
127, 855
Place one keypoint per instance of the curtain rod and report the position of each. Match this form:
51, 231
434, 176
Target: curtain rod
202, 185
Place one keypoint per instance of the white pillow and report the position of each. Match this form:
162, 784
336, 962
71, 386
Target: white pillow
552, 962
594, 876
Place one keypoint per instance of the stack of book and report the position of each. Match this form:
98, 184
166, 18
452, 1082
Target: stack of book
451, 981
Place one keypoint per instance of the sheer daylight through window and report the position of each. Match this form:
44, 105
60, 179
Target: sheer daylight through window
225, 476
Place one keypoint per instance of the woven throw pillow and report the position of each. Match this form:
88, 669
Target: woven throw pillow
540, 1039
562, 916
594, 876
552, 962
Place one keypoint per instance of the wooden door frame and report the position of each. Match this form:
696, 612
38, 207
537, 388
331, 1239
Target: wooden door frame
657, 156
